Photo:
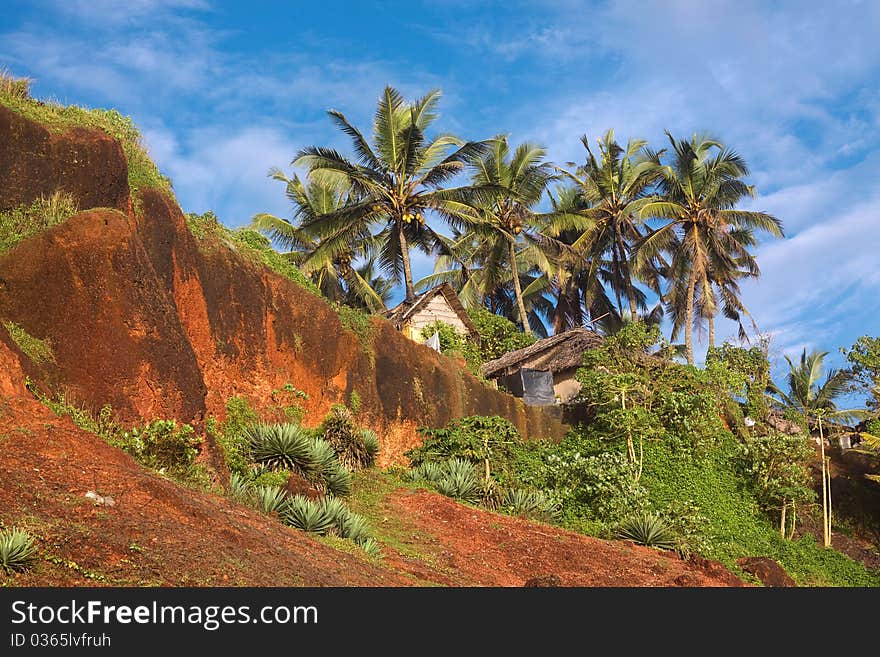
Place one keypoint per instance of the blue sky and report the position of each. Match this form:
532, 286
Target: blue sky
223, 91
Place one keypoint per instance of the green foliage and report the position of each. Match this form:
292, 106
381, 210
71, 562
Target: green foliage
598, 487
357, 322
39, 351
474, 438
240, 489
453, 343
308, 515
746, 372
354, 447
735, 524
461, 480
649, 530
266, 477
269, 499
168, 448
864, 359
778, 467
287, 446
230, 436
26, 221
17, 549
428, 471
354, 402
338, 481
534, 504
498, 335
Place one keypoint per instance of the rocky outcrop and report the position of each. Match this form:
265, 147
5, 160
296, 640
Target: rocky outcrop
34, 161
768, 571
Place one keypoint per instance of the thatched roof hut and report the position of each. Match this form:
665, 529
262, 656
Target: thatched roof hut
440, 303
556, 353
558, 356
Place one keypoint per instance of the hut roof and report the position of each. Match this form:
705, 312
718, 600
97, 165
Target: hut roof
556, 353
406, 309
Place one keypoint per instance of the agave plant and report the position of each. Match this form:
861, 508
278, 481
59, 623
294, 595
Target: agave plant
355, 448
305, 514
282, 446
371, 547
428, 471
338, 511
529, 503
461, 480
355, 528
649, 530
324, 458
371, 443
269, 499
338, 481
17, 549
240, 489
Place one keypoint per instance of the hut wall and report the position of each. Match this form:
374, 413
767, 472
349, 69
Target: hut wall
565, 386
436, 309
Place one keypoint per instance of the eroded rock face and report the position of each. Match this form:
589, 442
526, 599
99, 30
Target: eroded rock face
144, 317
767, 570
88, 164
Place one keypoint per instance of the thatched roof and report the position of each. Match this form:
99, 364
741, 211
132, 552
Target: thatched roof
402, 312
556, 353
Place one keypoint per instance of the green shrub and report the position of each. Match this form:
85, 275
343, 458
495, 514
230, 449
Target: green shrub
474, 438
308, 515
283, 446
39, 351
498, 335
269, 499
240, 489
371, 547
230, 436
163, 445
649, 530
338, 481
17, 549
265, 477
355, 448
429, 471
532, 504
460, 480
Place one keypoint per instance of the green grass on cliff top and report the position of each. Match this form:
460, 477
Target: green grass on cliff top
57, 118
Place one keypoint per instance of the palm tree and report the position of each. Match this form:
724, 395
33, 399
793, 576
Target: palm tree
330, 269
612, 188
806, 395
699, 193
815, 401
396, 178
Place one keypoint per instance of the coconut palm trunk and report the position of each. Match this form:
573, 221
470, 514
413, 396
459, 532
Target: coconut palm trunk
407, 266
517, 288
689, 317
711, 329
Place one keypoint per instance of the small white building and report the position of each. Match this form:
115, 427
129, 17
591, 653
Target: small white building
440, 303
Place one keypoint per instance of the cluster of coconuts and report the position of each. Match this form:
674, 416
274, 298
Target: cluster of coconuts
343, 262
410, 217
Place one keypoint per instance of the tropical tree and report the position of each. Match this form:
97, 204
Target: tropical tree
331, 270
706, 236
613, 185
806, 392
395, 178
509, 228
816, 402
